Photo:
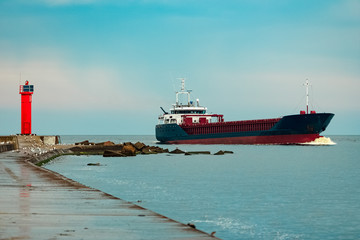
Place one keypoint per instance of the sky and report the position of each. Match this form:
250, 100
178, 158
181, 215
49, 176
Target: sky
106, 67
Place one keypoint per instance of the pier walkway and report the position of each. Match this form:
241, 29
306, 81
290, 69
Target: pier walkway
36, 203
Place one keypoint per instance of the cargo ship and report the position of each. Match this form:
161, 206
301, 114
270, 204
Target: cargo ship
189, 123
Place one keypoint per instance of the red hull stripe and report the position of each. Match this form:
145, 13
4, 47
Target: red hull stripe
274, 139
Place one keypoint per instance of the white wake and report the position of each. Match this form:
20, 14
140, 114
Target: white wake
321, 141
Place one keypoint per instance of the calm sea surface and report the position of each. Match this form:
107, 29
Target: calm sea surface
259, 192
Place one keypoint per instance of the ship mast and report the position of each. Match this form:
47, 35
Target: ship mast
307, 84
182, 92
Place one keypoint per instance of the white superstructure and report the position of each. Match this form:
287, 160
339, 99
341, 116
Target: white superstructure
187, 113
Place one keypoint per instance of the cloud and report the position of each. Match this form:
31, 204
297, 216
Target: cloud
59, 85
101, 2
346, 9
66, 2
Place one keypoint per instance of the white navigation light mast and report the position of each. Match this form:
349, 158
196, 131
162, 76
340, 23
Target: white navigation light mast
182, 92
307, 84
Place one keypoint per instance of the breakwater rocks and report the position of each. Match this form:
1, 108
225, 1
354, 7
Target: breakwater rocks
127, 149
107, 149
110, 149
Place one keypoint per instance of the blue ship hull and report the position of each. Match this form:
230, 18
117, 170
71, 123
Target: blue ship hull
291, 129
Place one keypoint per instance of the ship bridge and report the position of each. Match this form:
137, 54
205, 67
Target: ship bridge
187, 113
188, 110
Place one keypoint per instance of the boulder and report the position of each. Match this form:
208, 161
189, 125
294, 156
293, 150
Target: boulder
219, 153
153, 150
146, 150
93, 164
231, 152
116, 147
200, 152
223, 152
108, 143
111, 153
139, 146
86, 142
156, 149
129, 150
177, 151
128, 144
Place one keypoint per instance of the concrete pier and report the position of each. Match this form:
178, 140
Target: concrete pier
36, 203
13, 142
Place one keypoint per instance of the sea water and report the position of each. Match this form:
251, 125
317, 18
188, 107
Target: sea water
259, 192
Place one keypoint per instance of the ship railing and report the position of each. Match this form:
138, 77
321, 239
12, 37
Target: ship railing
187, 118
232, 126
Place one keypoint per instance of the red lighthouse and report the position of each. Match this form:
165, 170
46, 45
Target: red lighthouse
26, 92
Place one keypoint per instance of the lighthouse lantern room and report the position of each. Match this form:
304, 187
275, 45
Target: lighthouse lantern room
26, 92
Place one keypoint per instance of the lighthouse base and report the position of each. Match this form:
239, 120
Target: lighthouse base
15, 142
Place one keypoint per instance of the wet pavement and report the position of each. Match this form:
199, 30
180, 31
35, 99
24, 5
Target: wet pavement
36, 203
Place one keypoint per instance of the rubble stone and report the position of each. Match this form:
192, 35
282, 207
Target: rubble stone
139, 146
129, 150
111, 153
86, 142
108, 143
219, 153
177, 151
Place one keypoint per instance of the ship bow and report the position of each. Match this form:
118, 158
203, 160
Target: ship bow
304, 123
